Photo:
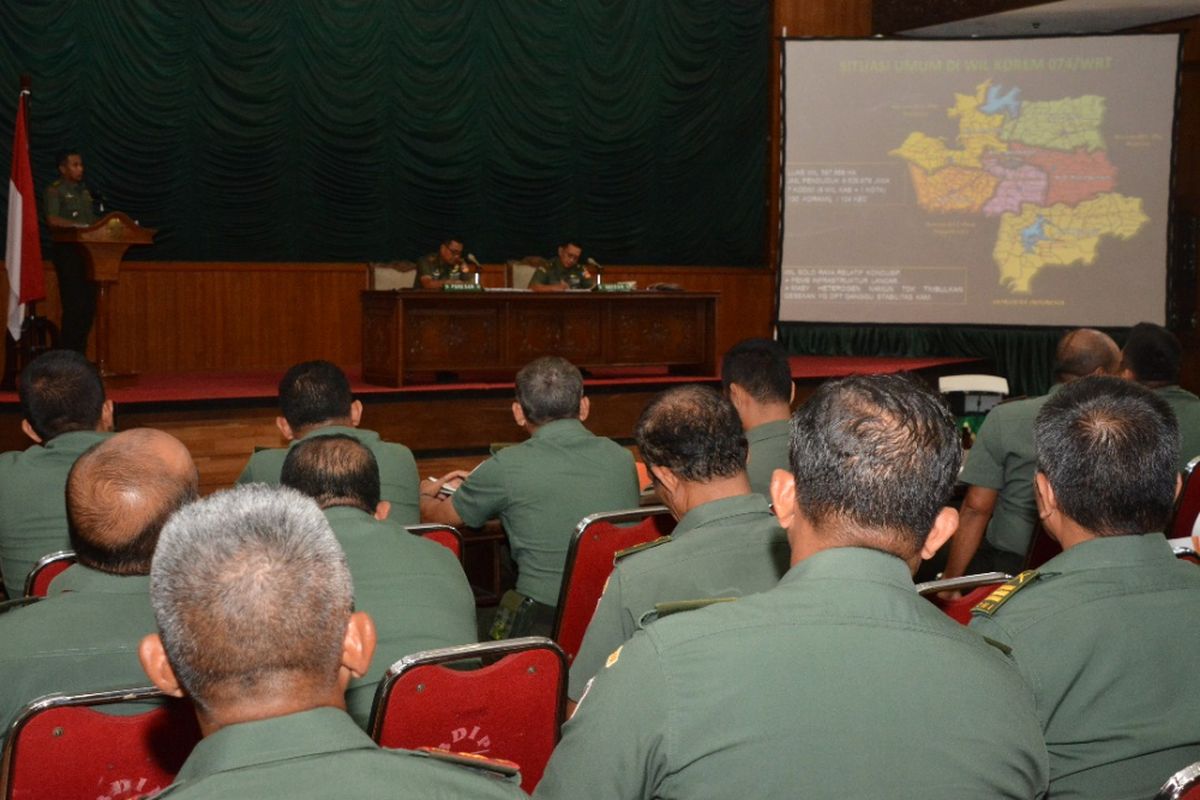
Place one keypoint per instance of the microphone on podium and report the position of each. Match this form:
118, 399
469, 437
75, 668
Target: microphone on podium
478, 267
591, 262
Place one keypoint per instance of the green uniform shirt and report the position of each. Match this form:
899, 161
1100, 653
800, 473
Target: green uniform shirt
836, 683
769, 451
320, 753
555, 273
414, 589
1003, 459
1187, 411
33, 507
70, 200
726, 548
541, 489
82, 641
1106, 637
432, 266
398, 477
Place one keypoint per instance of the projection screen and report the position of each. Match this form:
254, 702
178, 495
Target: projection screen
1008, 182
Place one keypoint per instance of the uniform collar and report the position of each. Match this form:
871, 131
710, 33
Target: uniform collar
361, 435
1111, 551
347, 513
78, 579
1176, 391
769, 430
721, 510
561, 429
75, 440
859, 564
247, 744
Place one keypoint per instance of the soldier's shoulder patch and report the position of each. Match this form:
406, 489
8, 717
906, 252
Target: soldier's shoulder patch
989, 605
498, 766
637, 548
613, 657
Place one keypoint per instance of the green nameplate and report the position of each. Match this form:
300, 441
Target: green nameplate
461, 287
615, 287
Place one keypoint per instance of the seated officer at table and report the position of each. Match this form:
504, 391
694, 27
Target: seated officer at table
444, 265
254, 606
414, 589
757, 379
84, 636
563, 272
315, 399
539, 489
1104, 632
831, 683
727, 542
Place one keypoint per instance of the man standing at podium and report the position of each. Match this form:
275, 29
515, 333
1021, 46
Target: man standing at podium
69, 204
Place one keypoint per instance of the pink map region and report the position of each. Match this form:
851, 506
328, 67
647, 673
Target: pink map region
1024, 184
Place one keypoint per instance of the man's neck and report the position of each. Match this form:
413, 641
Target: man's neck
340, 422
697, 494
756, 414
265, 705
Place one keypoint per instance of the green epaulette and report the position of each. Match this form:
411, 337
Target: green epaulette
1003, 593
637, 548
496, 766
662, 610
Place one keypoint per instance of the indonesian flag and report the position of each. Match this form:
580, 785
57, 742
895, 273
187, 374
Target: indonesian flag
23, 250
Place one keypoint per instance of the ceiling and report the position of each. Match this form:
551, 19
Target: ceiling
1064, 17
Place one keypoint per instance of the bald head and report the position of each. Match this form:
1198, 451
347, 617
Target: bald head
121, 492
1083, 352
334, 470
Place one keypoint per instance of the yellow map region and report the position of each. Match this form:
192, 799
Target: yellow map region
1061, 235
953, 189
1066, 124
978, 133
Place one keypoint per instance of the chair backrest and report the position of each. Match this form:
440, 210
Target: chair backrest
445, 535
60, 746
510, 707
1183, 785
1042, 547
1187, 507
977, 587
391, 275
520, 272
48, 567
991, 384
595, 543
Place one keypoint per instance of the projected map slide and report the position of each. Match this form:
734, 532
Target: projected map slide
988, 182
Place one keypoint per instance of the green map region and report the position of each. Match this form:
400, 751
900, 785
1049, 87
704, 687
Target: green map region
1040, 166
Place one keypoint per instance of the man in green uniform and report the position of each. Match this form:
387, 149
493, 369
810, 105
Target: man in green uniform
1104, 631
829, 684
1153, 357
444, 265
727, 542
758, 381
414, 589
998, 511
254, 605
67, 203
563, 272
84, 637
315, 400
541, 488
64, 412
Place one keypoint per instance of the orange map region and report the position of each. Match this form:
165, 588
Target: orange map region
1071, 177
952, 189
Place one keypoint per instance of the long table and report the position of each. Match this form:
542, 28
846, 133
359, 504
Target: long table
425, 331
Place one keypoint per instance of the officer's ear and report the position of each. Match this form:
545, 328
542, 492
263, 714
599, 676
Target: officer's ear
355, 413
157, 666
944, 526
28, 430
358, 646
585, 407
783, 496
518, 414
285, 428
382, 509
106, 417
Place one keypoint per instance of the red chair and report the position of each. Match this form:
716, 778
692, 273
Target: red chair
1042, 547
597, 540
511, 707
445, 535
979, 586
37, 582
59, 746
1183, 785
1187, 507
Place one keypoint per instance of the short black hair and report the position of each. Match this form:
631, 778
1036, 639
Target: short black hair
61, 156
60, 392
334, 470
760, 366
1152, 354
877, 455
548, 389
694, 432
571, 240
313, 392
1109, 449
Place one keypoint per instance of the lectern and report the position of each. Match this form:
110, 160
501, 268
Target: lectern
103, 244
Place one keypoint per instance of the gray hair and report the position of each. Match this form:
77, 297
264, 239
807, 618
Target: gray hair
251, 591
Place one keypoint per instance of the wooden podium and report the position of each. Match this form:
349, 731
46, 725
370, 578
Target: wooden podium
103, 244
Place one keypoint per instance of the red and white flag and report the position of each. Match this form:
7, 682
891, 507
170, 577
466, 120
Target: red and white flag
23, 249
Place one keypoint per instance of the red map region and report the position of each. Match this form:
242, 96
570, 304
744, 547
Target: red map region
1024, 184
1071, 177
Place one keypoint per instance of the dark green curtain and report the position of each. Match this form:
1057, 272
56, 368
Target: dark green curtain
1023, 355
320, 130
